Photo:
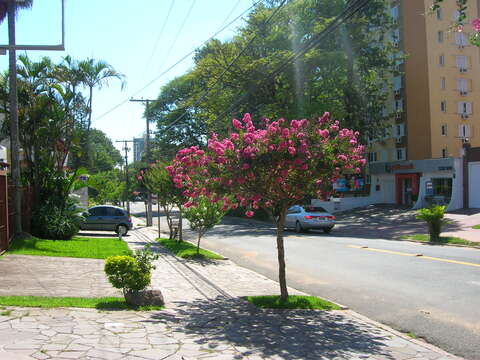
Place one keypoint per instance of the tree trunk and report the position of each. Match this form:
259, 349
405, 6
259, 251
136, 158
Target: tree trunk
158, 215
198, 242
180, 224
281, 256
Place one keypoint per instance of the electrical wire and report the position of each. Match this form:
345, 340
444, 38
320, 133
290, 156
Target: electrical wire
235, 59
178, 32
160, 34
182, 59
352, 9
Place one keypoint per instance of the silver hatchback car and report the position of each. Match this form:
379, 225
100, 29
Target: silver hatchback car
107, 218
305, 217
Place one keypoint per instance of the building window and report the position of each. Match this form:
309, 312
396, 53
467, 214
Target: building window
443, 187
442, 83
462, 63
464, 108
398, 105
397, 84
444, 130
439, 14
443, 106
399, 130
444, 153
394, 13
401, 154
461, 39
462, 86
440, 36
464, 131
441, 60
372, 157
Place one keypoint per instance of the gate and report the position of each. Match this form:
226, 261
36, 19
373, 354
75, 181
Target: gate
4, 233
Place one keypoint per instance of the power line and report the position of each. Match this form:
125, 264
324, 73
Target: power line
178, 62
160, 35
207, 91
352, 9
178, 32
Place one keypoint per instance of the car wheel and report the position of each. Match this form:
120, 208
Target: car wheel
327, 230
298, 227
121, 229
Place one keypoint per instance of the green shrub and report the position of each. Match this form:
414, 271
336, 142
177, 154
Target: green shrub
433, 216
124, 272
55, 223
131, 273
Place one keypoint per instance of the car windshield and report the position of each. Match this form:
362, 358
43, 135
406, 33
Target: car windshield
314, 209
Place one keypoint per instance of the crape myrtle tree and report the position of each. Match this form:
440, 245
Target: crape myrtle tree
271, 167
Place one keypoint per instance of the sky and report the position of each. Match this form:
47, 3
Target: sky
130, 38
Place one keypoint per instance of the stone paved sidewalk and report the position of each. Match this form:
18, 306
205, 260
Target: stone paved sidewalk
204, 319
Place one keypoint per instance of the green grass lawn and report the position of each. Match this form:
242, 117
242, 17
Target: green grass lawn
187, 250
104, 303
443, 239
477, 227
79, 247
293, 302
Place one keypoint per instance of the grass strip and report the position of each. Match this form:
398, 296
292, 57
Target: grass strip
476, 227
293, 302
103, 303
187, 250
443, 239
77, 247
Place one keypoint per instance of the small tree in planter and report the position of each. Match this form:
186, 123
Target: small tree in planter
272, 167
158, 181
203, 217
133, 274
434, 218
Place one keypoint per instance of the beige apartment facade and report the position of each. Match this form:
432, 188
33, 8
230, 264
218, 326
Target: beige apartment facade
435, 102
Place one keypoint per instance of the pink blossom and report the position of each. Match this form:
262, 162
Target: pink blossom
285, 132
292, 151
249, 213
237, 124
476, 25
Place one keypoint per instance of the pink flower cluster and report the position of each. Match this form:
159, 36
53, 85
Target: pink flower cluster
476, 25
276, 164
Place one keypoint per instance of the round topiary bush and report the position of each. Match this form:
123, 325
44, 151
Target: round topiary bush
124, 272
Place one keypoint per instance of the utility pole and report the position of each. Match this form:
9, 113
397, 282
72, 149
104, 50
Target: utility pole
147, 153
13, 99
127, 180
14, 128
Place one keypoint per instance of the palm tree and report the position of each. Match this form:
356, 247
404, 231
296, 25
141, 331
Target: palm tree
25, 4
10, 7
96, 74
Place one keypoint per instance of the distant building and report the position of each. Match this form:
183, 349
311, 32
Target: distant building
138, 148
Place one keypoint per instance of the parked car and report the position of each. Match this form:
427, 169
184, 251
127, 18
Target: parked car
305, 217
107, 218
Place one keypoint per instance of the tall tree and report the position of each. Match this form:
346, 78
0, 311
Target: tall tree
346, 72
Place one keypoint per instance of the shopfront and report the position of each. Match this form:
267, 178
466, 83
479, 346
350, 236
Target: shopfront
421, 183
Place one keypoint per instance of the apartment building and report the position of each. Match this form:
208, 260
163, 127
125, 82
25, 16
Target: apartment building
436, 105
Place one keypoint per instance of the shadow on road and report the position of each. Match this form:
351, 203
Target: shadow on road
292, 334
386, 221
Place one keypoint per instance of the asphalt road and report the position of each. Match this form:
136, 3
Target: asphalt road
435, 296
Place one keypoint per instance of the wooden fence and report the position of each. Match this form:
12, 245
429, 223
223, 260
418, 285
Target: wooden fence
4, 230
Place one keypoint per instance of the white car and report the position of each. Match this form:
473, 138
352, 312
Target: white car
305, 217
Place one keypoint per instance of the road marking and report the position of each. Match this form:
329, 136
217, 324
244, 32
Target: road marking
420, 256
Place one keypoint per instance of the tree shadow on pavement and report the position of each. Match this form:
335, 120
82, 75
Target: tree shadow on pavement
289, 334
